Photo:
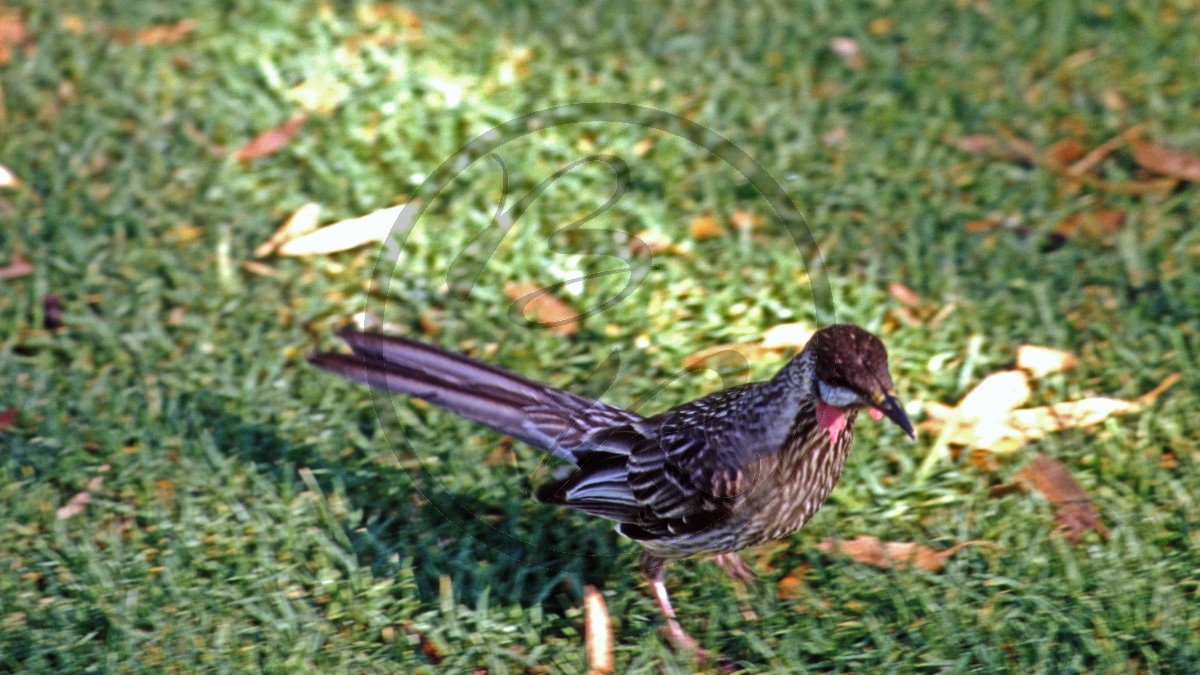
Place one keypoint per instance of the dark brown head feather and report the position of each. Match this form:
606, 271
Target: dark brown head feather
849, 356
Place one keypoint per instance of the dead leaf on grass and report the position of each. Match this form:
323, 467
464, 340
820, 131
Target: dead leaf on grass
1074, 510
1096, 224
163, 34
13, 33
1042, 361
301, 222
786, 335
1097, 154
705, 227
8, 179
871, 551
270, 141
986, 420
729, 356
746, 220
350, 233
598, 636
17, 266
904, 295
74, 506
1166, 161
742, 354
995, 396
537, 302
1062, 153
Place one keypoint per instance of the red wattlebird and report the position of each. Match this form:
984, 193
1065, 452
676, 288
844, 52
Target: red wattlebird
724, 472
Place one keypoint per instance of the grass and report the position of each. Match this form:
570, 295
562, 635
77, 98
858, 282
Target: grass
253, 514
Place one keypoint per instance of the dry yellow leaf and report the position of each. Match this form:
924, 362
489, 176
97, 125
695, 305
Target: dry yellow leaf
745, 220
1011, 429
1033, 423
705, 227
733, 355
643, 147
543, 307
348, 234
870, 550
994, 397
301, 222
8, 179
597, 630
1042, 361
786, 335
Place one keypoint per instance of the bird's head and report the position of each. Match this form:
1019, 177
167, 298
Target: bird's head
851, 368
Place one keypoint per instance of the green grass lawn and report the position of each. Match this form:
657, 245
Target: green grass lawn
250, 513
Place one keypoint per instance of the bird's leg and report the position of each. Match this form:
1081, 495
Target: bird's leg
735, 566
653, 569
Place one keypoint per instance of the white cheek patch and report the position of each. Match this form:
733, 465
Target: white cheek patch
839, 397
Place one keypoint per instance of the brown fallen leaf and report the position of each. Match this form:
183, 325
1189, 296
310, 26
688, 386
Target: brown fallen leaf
1151, 396
746, 220
597, 631
270, 141
350, 233
737, 355
74, 506
1063, 153
1016, 147
1097, 154
1074, 510
1042, 361
705, 227
302, 221
259, 269
1166, 161
537, 302
978, 144
1096, 224
870, 550
982, 225
17, 266
904, 295
791, 586
13, 33
164, 34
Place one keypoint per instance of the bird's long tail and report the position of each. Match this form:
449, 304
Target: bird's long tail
550, 419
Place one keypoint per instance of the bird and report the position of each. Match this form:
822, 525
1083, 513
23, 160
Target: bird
727, 471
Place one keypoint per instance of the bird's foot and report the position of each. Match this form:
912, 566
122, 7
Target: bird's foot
735, 567
680, 640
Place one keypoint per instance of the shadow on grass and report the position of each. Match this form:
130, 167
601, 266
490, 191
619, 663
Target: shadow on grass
515, 550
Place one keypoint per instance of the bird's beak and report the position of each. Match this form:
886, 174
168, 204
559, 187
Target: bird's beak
888, 405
